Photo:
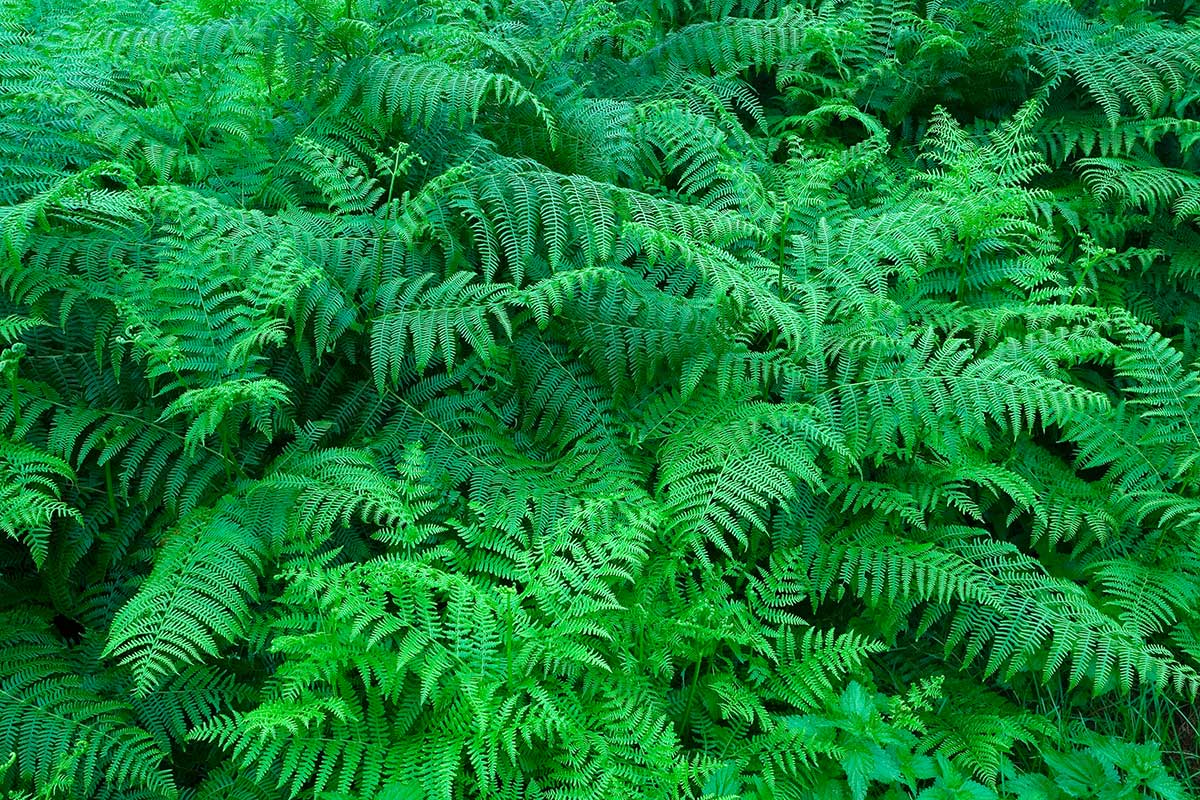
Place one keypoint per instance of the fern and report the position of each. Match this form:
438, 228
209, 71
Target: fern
197, 596
421, 90
32, 496
621, 398
61, 728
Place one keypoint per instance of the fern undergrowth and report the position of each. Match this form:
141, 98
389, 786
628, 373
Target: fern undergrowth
454, 399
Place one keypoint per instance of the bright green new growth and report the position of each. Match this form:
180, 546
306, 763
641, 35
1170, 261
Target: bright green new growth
446, 400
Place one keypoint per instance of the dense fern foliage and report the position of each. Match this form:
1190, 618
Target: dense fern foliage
448, 399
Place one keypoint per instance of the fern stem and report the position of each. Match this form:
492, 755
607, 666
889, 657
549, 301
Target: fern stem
383, 227
16, 397
108, 488
686, 720
782, 245
508, 641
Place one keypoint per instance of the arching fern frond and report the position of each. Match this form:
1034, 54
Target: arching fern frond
31, 496
52, 717
734, 44
422, 90
196, 597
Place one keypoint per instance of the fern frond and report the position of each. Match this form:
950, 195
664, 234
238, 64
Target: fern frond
52, 716
197, 596
31, 496
423, 90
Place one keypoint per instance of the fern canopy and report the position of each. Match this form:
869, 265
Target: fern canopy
524, 399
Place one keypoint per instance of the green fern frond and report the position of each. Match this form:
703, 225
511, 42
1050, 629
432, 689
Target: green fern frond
53, 717
422, 90
197, 596
31, 496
